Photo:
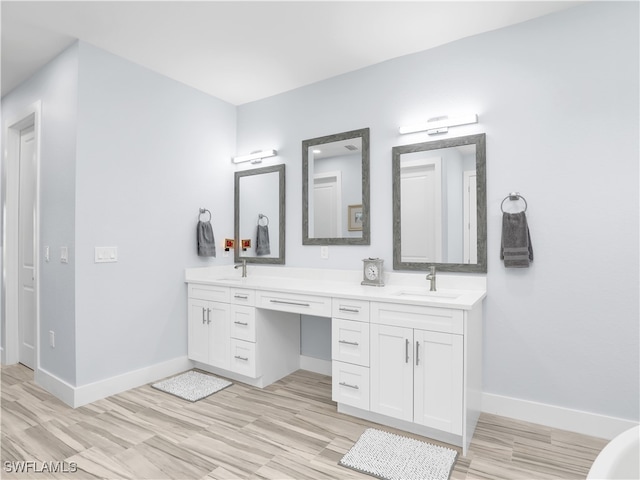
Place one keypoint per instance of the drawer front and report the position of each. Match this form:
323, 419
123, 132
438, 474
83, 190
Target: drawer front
350, 385
209, 292
242, 296
350, 341
243, 323
350, 309
243, 358
295, 303
446, 320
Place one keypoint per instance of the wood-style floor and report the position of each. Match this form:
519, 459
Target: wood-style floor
289, 430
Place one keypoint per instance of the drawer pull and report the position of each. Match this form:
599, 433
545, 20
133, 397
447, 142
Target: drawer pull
204, 320
417, 353
246, 359
299, 304
242, 297
355, 344
345, 384
350, 310
244, 324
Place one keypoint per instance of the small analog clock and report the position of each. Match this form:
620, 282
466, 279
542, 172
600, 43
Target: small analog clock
372, 273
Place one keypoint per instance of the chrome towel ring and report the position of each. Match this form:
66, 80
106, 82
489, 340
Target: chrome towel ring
262, 217
204, 210
513, 196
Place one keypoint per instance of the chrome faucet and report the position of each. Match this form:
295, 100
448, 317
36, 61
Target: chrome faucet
432, 278
244, 268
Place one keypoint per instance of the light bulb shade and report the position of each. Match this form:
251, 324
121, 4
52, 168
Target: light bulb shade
254, 156
440, 124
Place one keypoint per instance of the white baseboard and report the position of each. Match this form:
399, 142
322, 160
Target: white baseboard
79, 396
315, 365
586, 423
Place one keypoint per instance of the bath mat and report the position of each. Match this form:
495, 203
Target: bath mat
192, 385
392, 457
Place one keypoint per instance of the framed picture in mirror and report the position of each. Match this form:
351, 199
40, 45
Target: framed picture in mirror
355, 218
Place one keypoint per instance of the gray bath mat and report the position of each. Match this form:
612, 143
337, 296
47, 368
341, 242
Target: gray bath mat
392, 457
192, 385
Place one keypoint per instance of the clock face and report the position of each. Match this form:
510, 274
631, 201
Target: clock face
371, 272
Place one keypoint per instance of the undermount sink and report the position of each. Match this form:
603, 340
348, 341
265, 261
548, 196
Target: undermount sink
427, 294
231, 279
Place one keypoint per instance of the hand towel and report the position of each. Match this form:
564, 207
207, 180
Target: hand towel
262, 242
206, 242
515, 247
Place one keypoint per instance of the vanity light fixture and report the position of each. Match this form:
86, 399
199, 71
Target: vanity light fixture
254, 157
439, 124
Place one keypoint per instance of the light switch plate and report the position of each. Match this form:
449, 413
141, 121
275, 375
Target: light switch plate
64, 255
106, 254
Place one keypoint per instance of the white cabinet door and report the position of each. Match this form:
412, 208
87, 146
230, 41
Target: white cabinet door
391, 371
198, 346
218, 320
438, 366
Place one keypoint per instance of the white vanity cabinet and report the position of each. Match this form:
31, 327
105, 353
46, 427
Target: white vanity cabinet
208, 329
229, 336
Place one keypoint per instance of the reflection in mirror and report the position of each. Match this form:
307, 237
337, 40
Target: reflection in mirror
260, 215
439, 205
335, 191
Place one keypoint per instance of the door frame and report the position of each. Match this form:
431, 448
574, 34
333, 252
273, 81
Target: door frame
31, 115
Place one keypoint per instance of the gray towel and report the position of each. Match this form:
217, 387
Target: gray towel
206, 242
515, 248
262, 242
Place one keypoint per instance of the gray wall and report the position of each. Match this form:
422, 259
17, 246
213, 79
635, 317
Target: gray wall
56, 85
558, 100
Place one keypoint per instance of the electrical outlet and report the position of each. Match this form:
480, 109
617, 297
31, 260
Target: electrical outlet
52, 339
64, 255
324, 251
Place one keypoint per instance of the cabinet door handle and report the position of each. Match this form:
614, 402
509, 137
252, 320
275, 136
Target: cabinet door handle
417, 353
406, 350
243, 297
208, 316
299, 304
246, 359
244, 324
345, 384
204, 320
351, 310
355, 344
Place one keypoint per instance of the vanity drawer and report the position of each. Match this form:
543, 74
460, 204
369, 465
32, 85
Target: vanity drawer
242, 296
243, 358
243, 322
350, 309
446, 320
350, 341
294, 303
350, 385
213, 293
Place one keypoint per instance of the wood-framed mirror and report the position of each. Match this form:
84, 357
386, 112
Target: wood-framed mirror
335, 189
259, 204
440, 205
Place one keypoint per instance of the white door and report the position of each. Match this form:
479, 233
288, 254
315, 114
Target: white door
326, 206
392, 371
470, 218
26, 249
219, 320
438, 380
421, 201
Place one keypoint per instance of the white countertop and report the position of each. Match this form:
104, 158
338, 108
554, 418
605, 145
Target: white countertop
453, 291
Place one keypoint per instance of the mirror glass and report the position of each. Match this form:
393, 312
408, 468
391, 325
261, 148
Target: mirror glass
439, 205
335, 189
260, 215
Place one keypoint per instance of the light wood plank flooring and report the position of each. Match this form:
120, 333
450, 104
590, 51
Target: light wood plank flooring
289, 430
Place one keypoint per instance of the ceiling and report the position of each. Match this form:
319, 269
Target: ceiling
241, 51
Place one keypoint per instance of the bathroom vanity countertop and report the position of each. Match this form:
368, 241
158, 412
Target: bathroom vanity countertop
405, 293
